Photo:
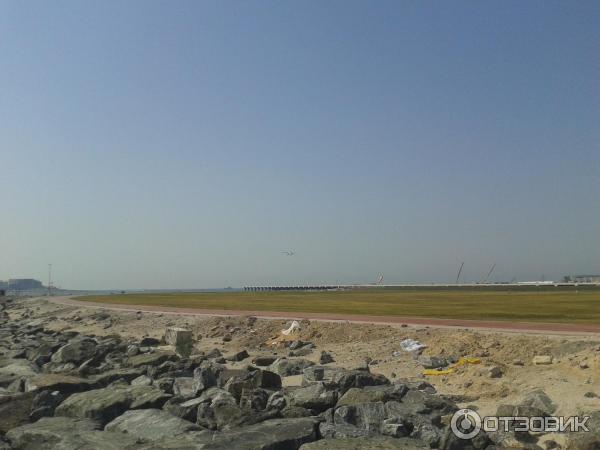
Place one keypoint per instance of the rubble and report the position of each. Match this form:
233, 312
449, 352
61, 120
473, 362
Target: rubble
70, 388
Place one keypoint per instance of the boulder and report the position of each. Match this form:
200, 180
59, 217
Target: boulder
316, 396
181, 339
67, 434
276, 434
175, 336
292, 412
276, 401
494, 372
251, 380
369, 394
65, 384
12, 369
326, 358
14, 410
150, 424
254, 399
151, 359
142, 380
539, 399
375, 443
582, 440
75, 352
147, 397
110, 376
369, 416
432, 362
103, 405
346, 379
41, 354
304, 351
149, 342
542, 360
185, 409
333, 432
207, 374
239, 356
288, 367
44, 404
186, 387
263, 361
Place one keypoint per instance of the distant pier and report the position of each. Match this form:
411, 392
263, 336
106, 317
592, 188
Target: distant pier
291, 288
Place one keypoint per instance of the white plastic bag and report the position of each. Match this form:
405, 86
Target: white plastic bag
410, 345
294, 328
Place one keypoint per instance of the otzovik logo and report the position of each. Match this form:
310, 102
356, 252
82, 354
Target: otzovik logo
465, 424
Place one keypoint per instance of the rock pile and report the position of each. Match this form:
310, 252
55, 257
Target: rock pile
67, 390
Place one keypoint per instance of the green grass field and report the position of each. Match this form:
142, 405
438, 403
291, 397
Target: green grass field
548, 305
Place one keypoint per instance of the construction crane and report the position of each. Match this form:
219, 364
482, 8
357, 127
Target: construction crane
459, 271
485, 280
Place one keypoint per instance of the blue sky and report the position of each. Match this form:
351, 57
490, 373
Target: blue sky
186, 144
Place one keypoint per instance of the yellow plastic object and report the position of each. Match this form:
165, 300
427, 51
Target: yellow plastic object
438, 372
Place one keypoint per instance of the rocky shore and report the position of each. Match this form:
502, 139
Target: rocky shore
64, 388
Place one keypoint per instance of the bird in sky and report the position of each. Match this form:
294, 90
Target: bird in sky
288, 253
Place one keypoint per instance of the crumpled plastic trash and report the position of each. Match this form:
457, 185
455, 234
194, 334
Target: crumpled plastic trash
410, 345
294, 328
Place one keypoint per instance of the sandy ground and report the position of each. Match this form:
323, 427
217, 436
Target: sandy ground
570, 380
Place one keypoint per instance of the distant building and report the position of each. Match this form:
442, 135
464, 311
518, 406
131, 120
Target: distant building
582, 279
24, 284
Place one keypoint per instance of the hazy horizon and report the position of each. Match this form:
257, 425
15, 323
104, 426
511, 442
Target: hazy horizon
148, 144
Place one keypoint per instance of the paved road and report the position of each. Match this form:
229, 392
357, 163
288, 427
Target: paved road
514, 327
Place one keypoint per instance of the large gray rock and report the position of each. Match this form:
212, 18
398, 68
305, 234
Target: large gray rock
316, 396
18, 368
105, 378
582, 440
44, 404
151, 359
176, 336
312, 374
539, 399
142, 380
207, 374
181, 339
147, 397
372, 443
276, 434
185, 409
66, 434
187, 387
432, 362
14, 410
252, 380
288, 367
105, 404
75, 352
151, 424
383, 393
218, 409
366, 419
347, 379
264, 360
58, 382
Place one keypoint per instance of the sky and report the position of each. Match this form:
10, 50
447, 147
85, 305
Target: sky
187, 144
